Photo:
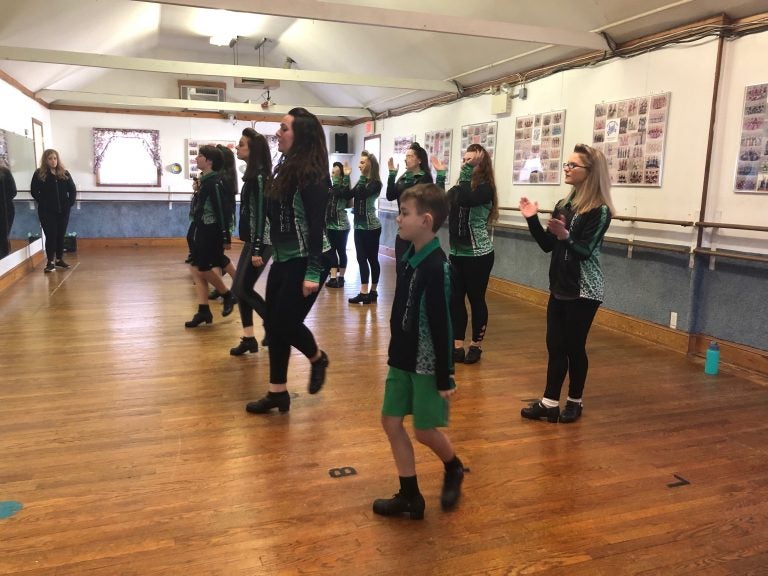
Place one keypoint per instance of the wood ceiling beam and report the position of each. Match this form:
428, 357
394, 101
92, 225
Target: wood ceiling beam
402, 19
66, 97
219, 70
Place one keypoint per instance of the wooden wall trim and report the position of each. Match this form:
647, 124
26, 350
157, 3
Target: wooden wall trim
21, 88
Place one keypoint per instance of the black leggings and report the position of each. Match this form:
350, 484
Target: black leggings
568, 323
245, 279
367, 247
338, 253
54, 227
469, 279
286, 309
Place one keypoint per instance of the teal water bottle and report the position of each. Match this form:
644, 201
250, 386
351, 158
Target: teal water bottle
713, 359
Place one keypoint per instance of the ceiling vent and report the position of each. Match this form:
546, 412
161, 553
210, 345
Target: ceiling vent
257, 83
202, 93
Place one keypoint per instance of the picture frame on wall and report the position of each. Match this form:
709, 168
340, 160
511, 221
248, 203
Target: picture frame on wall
538, 155
752, 159
485, 134
438, 143
632, 134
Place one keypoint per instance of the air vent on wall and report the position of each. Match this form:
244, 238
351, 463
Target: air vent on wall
257, 83
202, 93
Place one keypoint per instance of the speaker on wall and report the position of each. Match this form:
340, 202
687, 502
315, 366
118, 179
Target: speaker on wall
341, 143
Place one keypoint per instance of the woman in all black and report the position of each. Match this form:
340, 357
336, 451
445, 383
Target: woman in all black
7, 210
54, 190
254, 149
228, 177
337, 224
574, 235
417, 171
367, 228
473, 204
296, 203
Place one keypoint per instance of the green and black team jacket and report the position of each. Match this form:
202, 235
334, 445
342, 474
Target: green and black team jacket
297, 227
253, 214
468, 214
211, 207
574, 271
336, 213
395, 188
422, 334
365, 193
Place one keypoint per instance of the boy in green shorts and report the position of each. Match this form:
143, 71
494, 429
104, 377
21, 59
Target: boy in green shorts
420, 380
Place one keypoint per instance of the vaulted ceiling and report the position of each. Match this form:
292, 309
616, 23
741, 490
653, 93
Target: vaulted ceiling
345, 59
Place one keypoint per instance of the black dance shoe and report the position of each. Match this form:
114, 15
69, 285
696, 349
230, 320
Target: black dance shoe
571, 413
458, 355
61, 264
359, 299
473, 355
229, 304
332, 283
451, 487
199, 318
247, 344
400, 504
371, 297
49, 267
281, 401
537, 410
317, 376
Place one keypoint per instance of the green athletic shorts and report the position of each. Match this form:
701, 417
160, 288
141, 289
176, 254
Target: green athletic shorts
417, 394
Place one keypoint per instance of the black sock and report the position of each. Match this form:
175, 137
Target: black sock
202, 308
453, 464
409, 486
277, 394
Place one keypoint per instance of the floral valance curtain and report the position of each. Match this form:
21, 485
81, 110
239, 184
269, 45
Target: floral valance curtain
102, 137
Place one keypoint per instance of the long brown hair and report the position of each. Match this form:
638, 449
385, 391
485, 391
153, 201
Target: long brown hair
373, 173
483, 174
307, 160
60, 172
596, 189
259, 157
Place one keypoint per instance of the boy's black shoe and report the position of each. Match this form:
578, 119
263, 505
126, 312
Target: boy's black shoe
458, 355
359, 299
571, 413
537, 410
281, 401
452, 487
317, 375
473, 355
49, 267
400, 504
247, 344
61, 264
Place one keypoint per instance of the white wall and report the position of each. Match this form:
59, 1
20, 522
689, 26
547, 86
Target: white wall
577, 91
743, 65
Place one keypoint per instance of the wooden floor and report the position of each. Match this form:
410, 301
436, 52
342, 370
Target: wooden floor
124, 437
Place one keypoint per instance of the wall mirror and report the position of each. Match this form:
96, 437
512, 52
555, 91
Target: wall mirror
18, 154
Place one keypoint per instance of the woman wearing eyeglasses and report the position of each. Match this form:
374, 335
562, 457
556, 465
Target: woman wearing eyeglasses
472, 205
574, 236
417, 171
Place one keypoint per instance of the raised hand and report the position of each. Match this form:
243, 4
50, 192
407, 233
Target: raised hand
528, 208
347, 169
391, 165
436, 164
556, 227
